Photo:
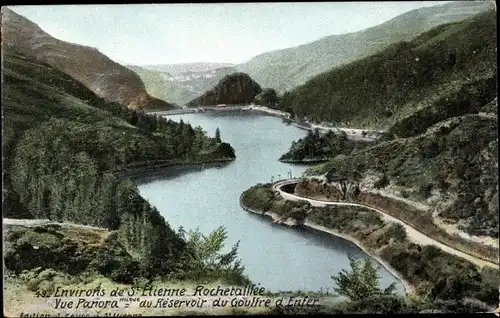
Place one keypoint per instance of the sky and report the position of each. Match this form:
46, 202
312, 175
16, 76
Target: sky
146, 34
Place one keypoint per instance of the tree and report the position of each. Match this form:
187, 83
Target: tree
217, 135
199, 138
361, 282
267, 97
205, 256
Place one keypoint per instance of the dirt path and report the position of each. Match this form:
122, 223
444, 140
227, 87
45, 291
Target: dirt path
413, 234
40, 222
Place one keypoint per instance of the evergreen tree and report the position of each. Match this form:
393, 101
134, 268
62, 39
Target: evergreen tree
217, 135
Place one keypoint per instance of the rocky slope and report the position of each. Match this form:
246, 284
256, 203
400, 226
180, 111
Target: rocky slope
426, 269
285, 69
237, 88
87, 65
437, 95
451, 169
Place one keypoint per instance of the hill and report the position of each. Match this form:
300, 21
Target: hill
87, 65
285, 69
237, 88
447, 71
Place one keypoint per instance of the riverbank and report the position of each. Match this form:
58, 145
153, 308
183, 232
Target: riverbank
304, 161
133, 171
409, 289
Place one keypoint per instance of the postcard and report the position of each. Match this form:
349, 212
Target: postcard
250, 158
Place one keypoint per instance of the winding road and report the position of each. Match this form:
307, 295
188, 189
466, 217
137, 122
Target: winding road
413, 234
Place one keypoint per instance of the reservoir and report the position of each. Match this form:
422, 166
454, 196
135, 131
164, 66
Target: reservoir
277, 257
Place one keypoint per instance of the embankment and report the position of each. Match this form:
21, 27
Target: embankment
420, 220
276, 218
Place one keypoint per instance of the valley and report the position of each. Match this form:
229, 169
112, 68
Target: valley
371, 156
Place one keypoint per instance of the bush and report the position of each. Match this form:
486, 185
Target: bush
382, 182
361, 282
204, 258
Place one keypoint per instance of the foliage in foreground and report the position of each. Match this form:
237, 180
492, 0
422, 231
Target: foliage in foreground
361, 282
361, 286
388, 305
76, 251
205, 260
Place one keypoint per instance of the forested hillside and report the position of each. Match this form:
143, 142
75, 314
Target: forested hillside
447, 71
436, 95
286, 69
316, 147
62, 145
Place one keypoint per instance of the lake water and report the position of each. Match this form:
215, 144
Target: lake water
277, 257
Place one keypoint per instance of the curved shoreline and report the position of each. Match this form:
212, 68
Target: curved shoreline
408, 288
303, 161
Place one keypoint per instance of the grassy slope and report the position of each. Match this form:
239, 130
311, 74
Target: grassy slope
35, 92
61, 143
437, 83
42, 258
288, 68
431, 71
41, 92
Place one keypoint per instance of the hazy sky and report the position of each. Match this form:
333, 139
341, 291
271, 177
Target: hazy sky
144, 34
